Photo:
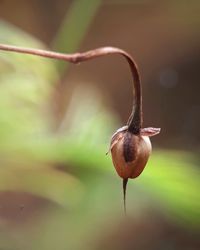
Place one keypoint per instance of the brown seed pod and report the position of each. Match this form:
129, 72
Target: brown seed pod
130, 152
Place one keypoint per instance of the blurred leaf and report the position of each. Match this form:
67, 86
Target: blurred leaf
39, 68
49, 183
25, 89
174, 180
74, 27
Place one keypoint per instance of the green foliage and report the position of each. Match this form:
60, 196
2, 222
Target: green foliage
78, 18
25, 119
173, 178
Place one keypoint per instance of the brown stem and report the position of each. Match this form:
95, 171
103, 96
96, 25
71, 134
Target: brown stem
135, 119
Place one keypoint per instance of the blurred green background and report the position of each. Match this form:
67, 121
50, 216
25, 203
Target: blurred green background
58, 189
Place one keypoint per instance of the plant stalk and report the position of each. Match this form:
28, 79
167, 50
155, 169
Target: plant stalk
135, 119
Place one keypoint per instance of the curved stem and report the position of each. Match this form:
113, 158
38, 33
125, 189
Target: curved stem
135, 119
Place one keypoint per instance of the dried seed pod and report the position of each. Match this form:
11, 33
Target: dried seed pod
130, 152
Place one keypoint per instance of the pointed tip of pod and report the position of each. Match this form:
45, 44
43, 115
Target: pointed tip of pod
125, 182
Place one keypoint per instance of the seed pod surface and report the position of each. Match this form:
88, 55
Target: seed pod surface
130, 153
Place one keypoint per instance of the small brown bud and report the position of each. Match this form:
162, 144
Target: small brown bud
130, 152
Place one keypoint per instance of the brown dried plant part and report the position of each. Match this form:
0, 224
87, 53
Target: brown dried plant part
130, 145
130, 153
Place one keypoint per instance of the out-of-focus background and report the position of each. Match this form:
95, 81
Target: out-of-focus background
58, 190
